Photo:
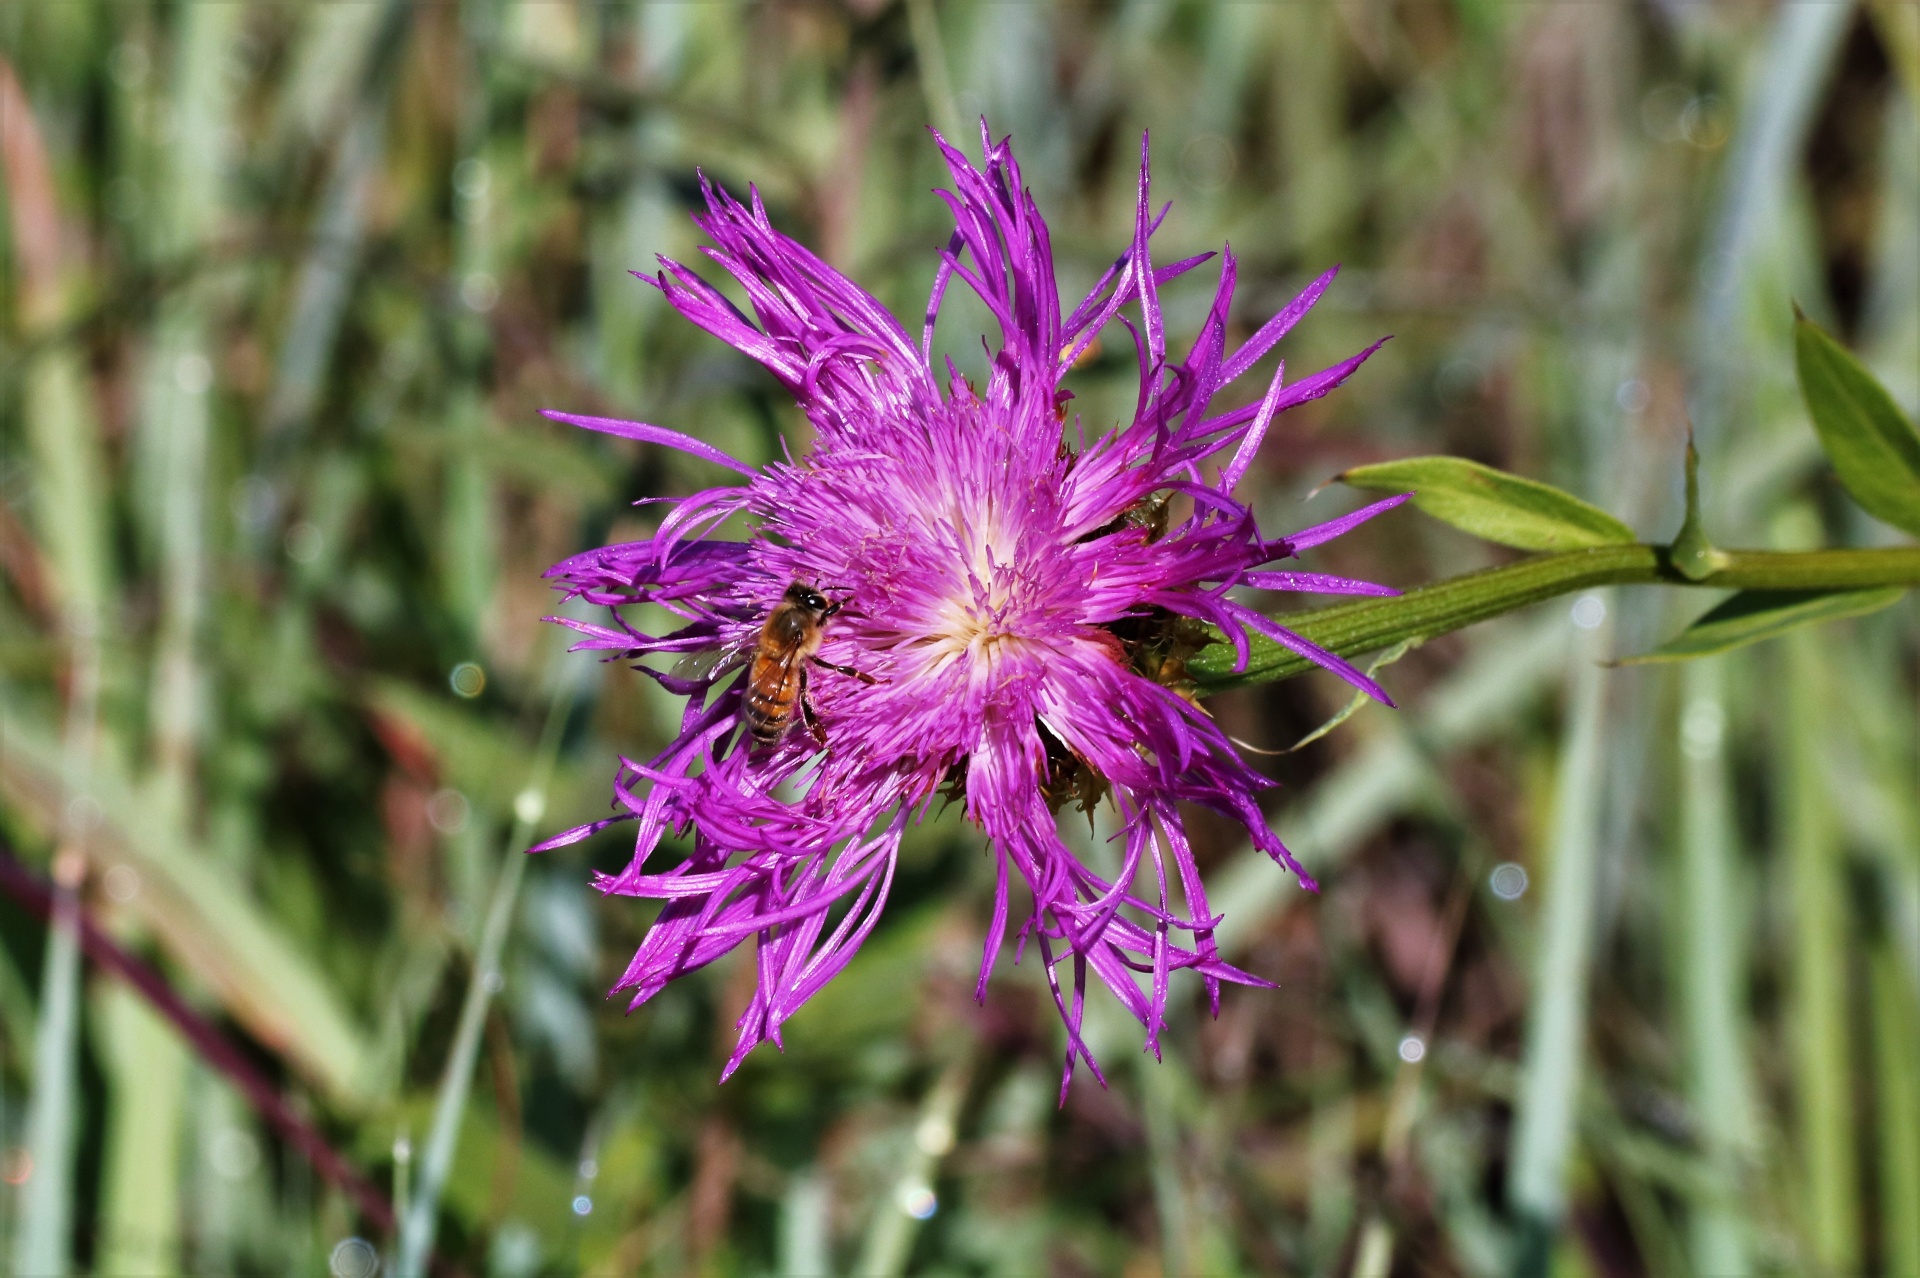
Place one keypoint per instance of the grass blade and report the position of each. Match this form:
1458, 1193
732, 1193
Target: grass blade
1555, 1051
1896, 1050
1172, 1203
147, 1080
175, 422
146, 1062
1714, 1023
935, 80
805, 1220
1823, 1086
46, 1201
1765, 152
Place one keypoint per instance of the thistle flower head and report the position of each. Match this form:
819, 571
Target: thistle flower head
1007, 604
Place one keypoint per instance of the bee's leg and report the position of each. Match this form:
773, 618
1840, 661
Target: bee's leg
808, 717
848, 671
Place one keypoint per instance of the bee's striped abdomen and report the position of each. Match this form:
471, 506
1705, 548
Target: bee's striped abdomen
773, 685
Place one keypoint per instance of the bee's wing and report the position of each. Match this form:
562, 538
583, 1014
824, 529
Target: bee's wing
698, 665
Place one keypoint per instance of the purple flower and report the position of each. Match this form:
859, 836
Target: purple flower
1007, 604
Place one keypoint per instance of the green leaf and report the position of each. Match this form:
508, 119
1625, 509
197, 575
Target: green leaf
1492, 504
1872, 445
1753, 615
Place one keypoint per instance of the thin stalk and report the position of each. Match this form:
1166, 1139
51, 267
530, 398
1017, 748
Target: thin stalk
1445, 606
1823, 1082
1555, 1050
469, 554
423, 1213
327, 63
182, 463
1711, 964
469, 526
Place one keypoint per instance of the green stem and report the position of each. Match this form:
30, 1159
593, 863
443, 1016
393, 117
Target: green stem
1370, 624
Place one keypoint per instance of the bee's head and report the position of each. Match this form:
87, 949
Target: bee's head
804, 596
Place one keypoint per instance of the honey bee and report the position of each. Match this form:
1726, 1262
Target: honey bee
777, 676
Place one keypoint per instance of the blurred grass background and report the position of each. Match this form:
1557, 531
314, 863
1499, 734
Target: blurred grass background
1614, 972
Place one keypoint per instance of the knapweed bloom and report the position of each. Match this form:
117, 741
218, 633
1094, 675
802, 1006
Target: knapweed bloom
1003, 606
